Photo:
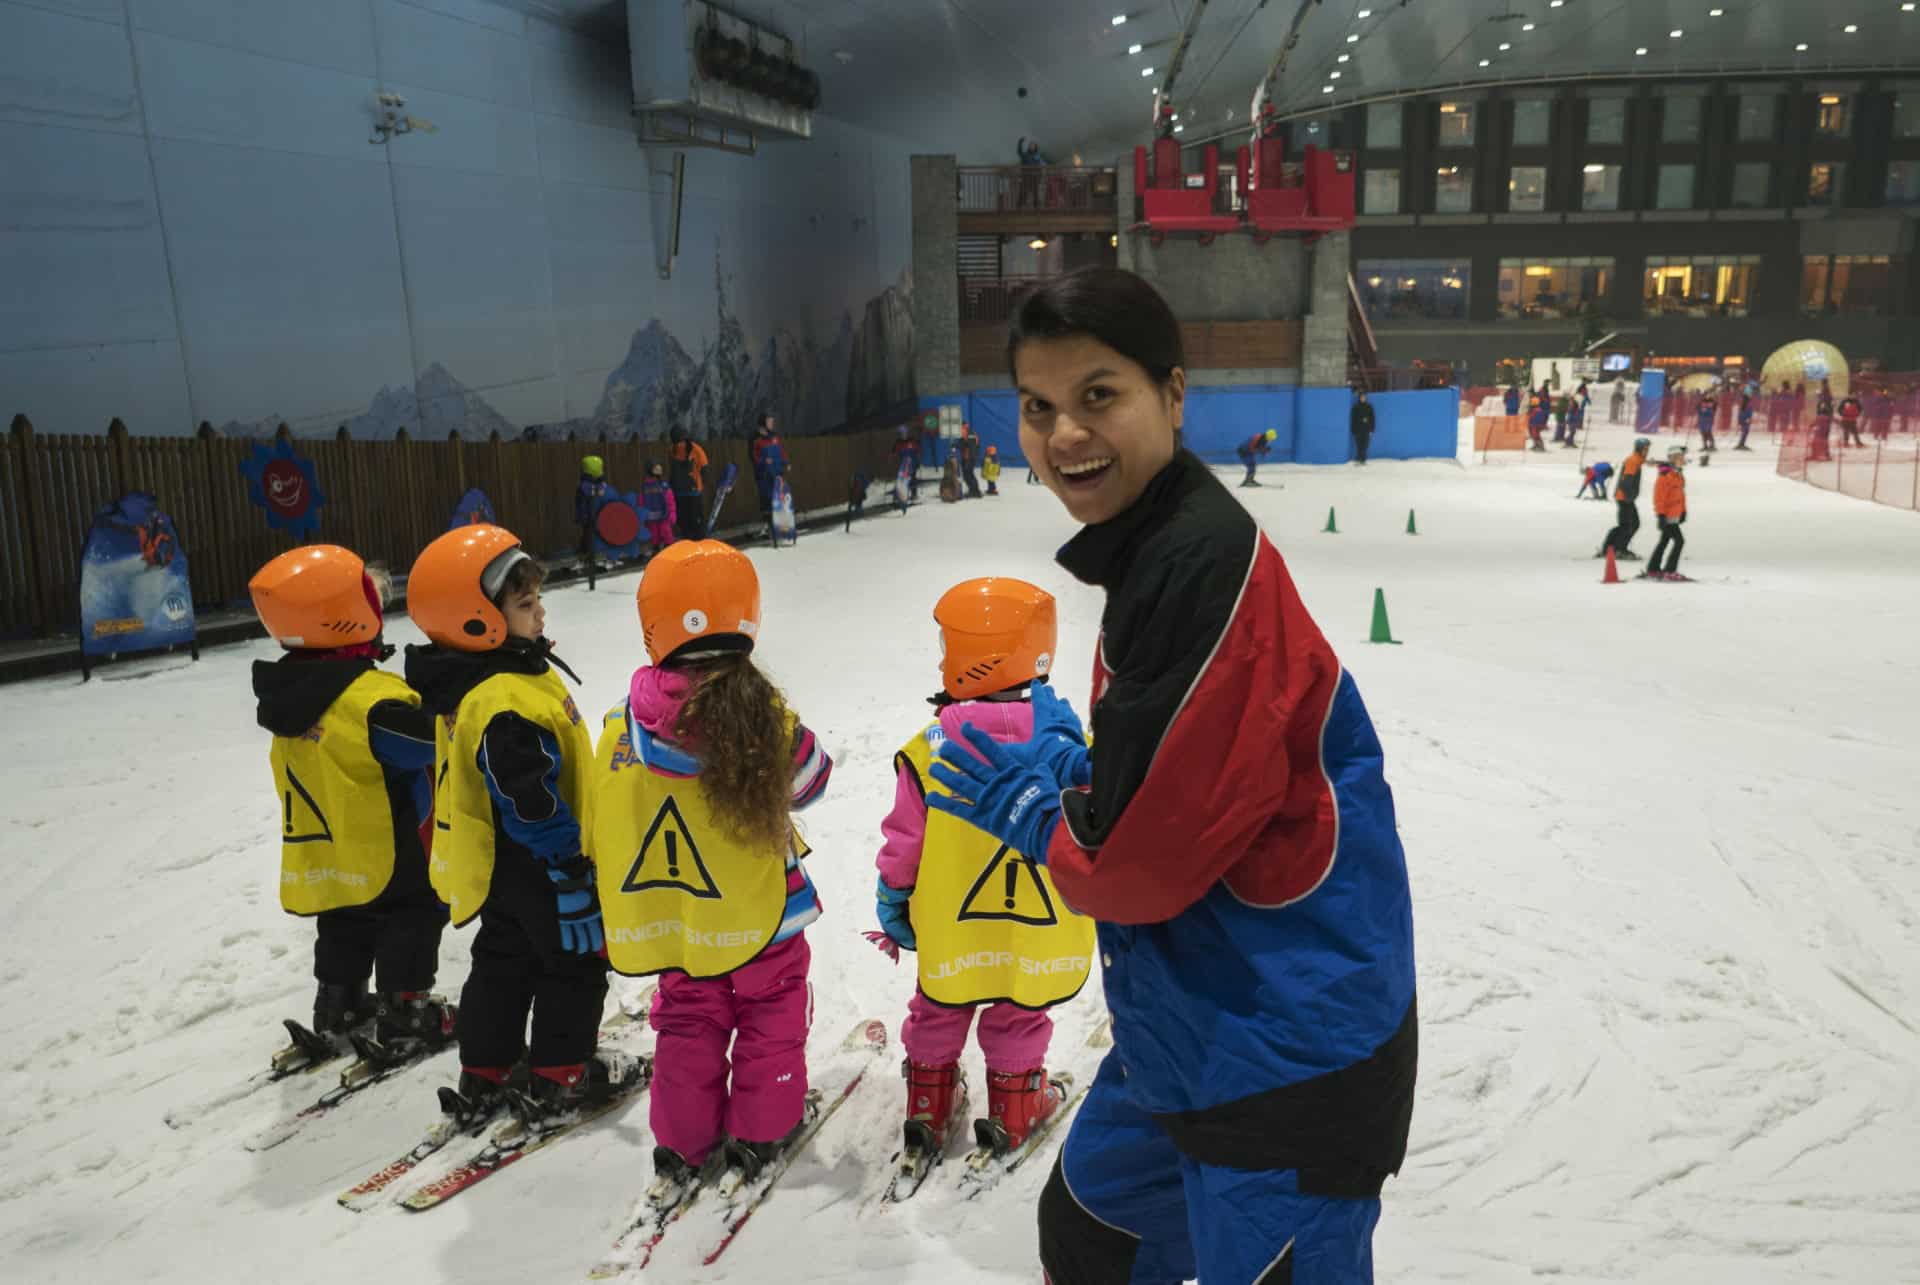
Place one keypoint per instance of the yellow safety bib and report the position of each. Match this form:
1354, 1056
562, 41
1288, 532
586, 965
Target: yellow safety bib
988, 922
336, 817
463, 840
676, 891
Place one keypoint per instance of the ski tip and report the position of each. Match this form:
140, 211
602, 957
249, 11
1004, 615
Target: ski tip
875, 1033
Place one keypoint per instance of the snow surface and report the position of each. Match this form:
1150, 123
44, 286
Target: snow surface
1661, 838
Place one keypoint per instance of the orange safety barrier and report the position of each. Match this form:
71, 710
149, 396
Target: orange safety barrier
1499, 432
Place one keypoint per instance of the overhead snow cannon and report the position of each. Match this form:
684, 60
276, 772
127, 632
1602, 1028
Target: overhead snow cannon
703, 77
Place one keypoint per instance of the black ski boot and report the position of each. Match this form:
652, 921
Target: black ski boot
549, 1102
339, 1009
674, 1177
413, 1019
746, 1161
476, 1100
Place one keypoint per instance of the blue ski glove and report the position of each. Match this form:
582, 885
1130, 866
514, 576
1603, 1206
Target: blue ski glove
579, 909
1012, 796
1059, 739
890, 904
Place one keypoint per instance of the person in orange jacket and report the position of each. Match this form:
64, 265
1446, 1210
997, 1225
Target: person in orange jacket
1626, 495
1670, 511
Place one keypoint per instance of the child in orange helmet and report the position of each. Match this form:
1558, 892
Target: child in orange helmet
352, 757
990, 931
512, 795
991, 470
698, 774
1670, 510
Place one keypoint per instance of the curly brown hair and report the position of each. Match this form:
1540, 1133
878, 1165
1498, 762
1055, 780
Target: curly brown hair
737, 722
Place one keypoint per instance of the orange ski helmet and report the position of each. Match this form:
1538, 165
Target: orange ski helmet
454, 581
995, 632
698, 595
318, 596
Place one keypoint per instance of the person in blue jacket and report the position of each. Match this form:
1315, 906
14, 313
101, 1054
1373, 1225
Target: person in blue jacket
1594, 484
587, 499
1709, 407
1513, 399
1230, 830
1258, 444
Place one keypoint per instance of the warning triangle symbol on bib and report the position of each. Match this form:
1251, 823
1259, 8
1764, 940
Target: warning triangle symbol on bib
301, 818
669, 858
1009, 889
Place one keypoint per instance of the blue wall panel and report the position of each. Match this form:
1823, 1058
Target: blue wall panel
1423, 424
1322, 436
1219, 420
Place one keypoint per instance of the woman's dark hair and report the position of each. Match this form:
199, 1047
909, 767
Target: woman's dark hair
1109, 304
737, 722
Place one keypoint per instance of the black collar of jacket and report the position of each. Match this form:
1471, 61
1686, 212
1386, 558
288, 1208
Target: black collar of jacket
443, 676
297, 689
1102, 553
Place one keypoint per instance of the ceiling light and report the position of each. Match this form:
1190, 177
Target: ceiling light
1179, 129
1799, 49
1364, 13
1641, 52
1344, 58
1504, 48
1715, 13
1907, 8
1675, 34
1133, 49
1555, 4
1326, 89
1146, 71
1333, 75
843, 55
1850, 28
1038, 243
1486, 62
1591, 169
1119, 19
1526, 26
1354, 39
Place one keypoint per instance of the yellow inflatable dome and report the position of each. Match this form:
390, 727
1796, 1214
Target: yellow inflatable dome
1697, 382
1807, 361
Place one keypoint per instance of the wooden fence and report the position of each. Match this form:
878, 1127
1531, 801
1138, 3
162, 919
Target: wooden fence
385, 500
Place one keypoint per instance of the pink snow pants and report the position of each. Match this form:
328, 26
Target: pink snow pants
1011, 1038
763, 1010
659, 535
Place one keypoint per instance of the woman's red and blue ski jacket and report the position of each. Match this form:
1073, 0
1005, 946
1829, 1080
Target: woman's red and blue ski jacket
1239, 850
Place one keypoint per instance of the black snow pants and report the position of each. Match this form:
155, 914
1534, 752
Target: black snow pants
393, 939
1669, 531
1629, 522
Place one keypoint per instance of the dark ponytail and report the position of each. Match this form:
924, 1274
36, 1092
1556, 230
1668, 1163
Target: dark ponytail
736, 721
1111, 305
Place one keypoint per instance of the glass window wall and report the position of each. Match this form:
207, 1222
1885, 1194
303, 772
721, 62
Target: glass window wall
1750, 181
1383, 125
1453, 190
1457, 123
1606, 120
1865, 284
1527, 189
1680, 120
1906, 112
1903, 183
1532, 120
1382, 194
1545, 289
1599, 186
1701, 285
1673, 188
1825, 179
1406, 289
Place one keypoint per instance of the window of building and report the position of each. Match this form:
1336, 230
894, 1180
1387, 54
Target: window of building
1543, 289
1673, 188
1599, 186
1456, 124
1680, 120
1906, 112
1855, 283
1527, 189
1832, 115
1400, 289
1606, 120
1453, 189
1383, 125
1903, 183
1532, 119
1382, 195
1756, 117
1824, 181
1750, 179
1701, 285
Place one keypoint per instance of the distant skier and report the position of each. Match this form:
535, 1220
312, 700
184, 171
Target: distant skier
990, 470
697, 774
997, 643
1561, 405
1511, 401
1537, 411
1617, 404
1704, 412
769, 461
352, 762
1820, 436
906, 455
1576, 420
1626, 495
688, 462
1670, 510
1258, 444
1745, 418
1594, 485
658, 508
592, 492
1360, 425
1849, 414
969, 457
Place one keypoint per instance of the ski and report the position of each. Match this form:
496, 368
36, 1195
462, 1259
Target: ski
744, 1197
985, 1166
304, 1054
720, 498
373, 1063
366, 1193
512, 1142
634, 1247
917, 1159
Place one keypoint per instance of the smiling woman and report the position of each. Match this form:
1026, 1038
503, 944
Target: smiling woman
1236, 846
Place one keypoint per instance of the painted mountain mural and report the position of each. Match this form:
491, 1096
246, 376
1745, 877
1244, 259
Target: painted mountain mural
812, 382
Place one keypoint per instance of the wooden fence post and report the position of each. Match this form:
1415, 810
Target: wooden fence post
36, 518
117, 451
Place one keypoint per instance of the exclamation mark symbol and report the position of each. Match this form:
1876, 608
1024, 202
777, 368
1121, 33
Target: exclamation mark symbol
1013, 874
673, 855
287, 795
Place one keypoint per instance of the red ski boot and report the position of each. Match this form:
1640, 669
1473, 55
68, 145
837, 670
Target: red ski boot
935, 1095
1017, 1101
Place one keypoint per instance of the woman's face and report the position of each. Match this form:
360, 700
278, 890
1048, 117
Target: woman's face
1093, 424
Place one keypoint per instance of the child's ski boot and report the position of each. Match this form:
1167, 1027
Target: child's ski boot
936, 1097
674, 1177
556, 1095
1016, 1102
479, 1097
339, 1011
409, 1023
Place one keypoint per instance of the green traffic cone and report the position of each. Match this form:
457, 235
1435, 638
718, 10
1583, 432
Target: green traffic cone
1331, 525
1411, 528
1381, 632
